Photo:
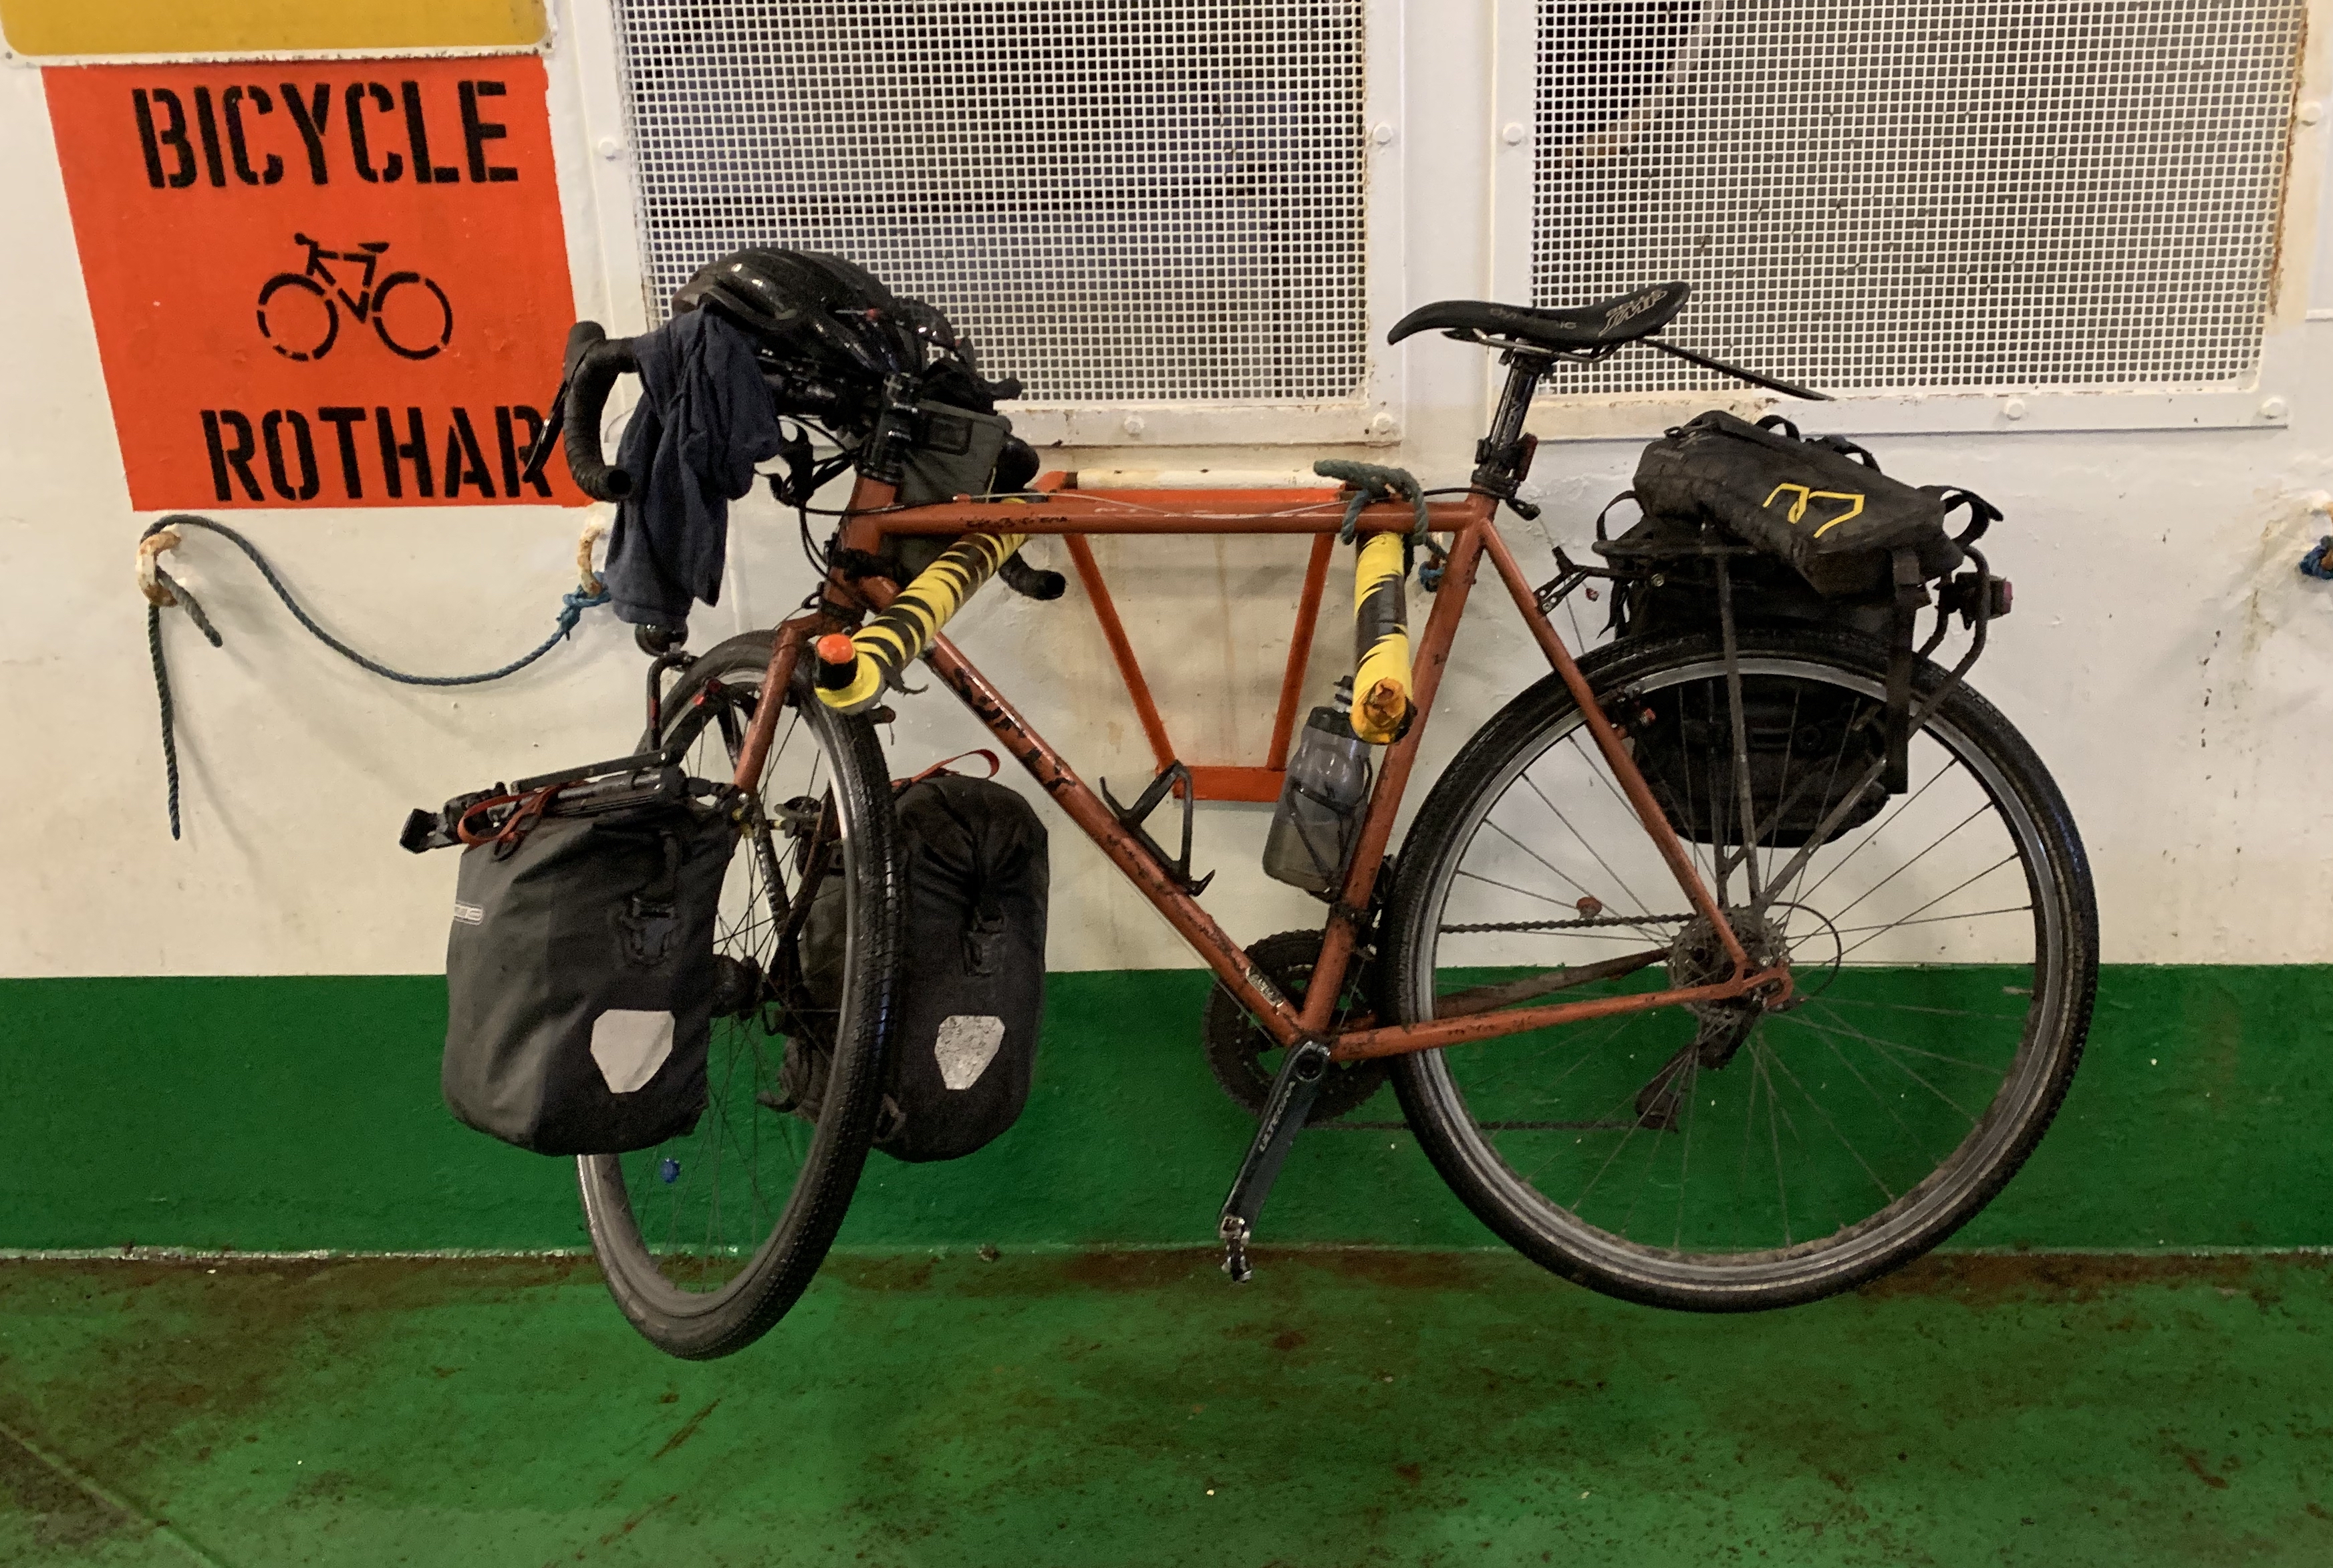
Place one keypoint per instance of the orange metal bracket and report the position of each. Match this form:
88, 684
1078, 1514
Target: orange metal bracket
1214, 782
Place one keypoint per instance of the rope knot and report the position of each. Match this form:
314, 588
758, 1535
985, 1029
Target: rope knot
575, 601
1373, 482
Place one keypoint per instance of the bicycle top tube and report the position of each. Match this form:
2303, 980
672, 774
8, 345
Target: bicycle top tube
1502, 460
1164, 512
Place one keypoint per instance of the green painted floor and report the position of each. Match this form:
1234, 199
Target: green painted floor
1348, 1407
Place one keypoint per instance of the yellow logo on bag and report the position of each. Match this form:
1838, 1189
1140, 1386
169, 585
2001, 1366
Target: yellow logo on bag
1798, 507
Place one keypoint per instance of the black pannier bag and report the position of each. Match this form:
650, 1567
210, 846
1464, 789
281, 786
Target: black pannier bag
1798, 734
1821, 505
581, 979
1834, 544
972, 972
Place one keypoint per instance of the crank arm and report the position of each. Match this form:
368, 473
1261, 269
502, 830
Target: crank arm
1292, 1092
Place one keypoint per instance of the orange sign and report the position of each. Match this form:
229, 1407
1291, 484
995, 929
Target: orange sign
323, 282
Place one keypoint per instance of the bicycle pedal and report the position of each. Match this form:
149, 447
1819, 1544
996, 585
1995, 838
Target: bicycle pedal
1233, 1230
1134, 818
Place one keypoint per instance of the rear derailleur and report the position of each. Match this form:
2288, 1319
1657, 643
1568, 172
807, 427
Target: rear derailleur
1698, 958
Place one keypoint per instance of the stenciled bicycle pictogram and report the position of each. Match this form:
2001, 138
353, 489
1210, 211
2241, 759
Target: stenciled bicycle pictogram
297, 331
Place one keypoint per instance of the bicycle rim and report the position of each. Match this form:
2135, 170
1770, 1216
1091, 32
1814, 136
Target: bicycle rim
1943, 949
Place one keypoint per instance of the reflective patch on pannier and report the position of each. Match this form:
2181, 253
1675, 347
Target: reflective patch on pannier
964, 1046
630, 1045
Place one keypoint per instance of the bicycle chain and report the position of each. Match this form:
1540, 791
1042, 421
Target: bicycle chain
1631, 920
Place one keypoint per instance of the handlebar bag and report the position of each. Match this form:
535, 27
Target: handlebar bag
1822, 505
954, 454
579, 979
972, 972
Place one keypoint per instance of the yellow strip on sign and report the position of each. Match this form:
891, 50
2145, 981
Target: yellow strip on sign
899, 636
170, 27
1381, 640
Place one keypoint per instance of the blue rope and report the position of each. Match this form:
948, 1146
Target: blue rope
2319, 562
571, 606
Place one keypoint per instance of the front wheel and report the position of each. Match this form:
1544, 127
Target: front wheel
1944, 947
707, 1239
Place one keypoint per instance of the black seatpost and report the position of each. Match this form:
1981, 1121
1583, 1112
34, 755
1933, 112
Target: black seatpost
1497, 456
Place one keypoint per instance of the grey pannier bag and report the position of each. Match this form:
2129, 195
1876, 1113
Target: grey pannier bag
580, 978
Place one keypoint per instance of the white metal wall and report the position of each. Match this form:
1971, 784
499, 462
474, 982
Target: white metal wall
2164, 656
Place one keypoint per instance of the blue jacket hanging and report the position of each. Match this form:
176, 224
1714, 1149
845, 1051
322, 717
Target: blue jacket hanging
705, 418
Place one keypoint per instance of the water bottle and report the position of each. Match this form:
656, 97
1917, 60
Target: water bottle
1321, 801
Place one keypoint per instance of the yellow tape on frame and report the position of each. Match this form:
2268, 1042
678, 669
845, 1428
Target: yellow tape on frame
180, 28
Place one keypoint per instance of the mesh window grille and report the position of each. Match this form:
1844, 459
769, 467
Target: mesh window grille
1119, 200
1905, 193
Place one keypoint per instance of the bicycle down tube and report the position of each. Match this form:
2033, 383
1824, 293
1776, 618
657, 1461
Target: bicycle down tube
1478, 1014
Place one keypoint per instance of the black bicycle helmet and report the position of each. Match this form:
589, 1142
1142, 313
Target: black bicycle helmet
809, 314
827, 332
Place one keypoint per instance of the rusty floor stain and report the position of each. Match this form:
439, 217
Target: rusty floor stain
1377, 1407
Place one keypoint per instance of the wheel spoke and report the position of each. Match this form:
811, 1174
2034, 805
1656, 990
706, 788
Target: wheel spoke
1847, 1033
1885, 821
1552, 869
1617, 880
1988, 871
1774, 1136
1586, 1055
1775, 1059
1886, 1050
1933, 919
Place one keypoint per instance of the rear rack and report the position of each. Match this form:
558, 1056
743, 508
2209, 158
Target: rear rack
595, 789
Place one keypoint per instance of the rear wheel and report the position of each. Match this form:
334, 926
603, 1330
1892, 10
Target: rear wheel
708, 1238
1944, 947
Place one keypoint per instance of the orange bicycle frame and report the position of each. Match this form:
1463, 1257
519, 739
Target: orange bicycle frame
1477, 1015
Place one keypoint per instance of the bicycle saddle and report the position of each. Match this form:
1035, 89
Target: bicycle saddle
1624, 319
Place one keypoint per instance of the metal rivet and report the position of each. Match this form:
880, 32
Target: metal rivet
609, 147
1514, 133
2311, 112
1134, 425
2273, 408
1383, 425
2014, 410
1382, 134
